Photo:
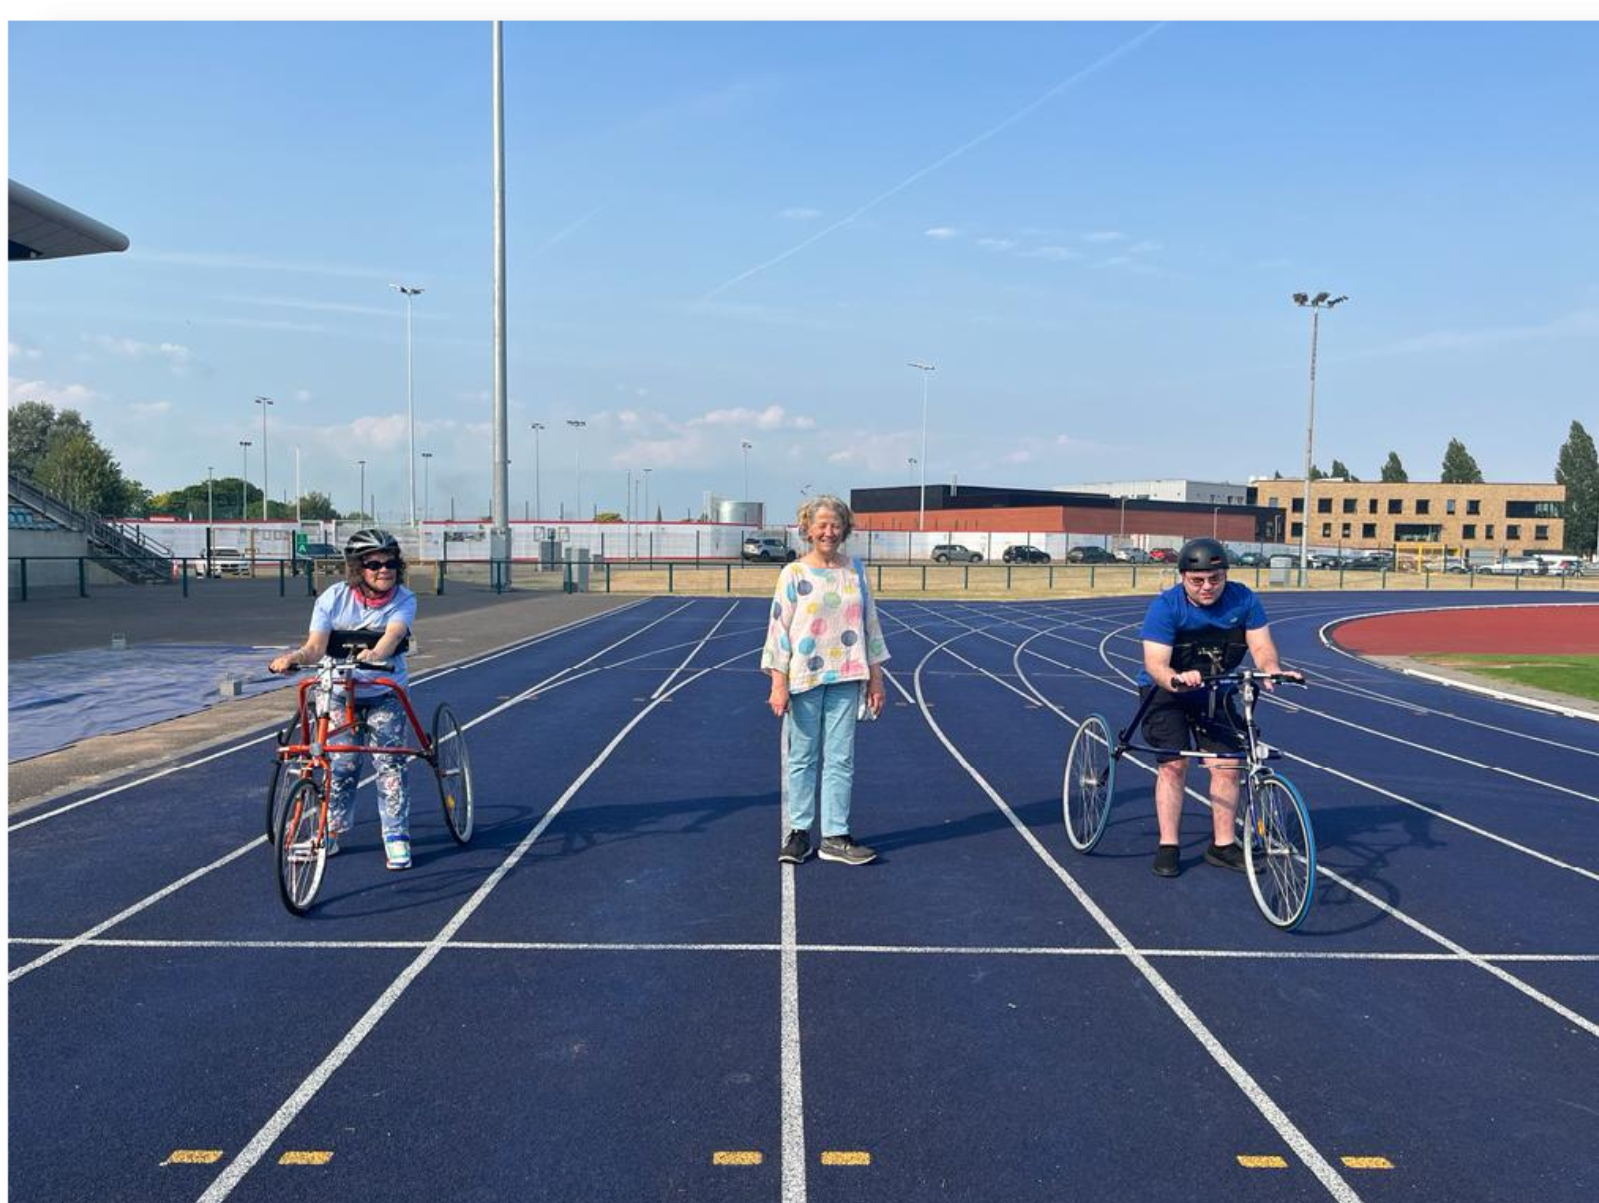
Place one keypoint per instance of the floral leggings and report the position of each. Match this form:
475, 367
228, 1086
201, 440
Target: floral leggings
383, 720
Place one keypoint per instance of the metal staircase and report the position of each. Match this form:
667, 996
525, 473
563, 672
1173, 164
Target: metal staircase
124, 551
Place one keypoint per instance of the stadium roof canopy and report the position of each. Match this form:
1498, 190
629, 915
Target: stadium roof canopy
45, 229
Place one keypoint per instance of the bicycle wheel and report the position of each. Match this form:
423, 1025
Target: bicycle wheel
452, 769
1090, 783
301, 850
281, 783
1279, 851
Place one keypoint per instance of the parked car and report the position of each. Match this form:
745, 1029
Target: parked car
1132, 555
1325, 559
321, 551
945, 552
1515, 566
1024, 553
1163, 555
767, 550
1446, 564
226, 561
1089, 555
1250, 559
1368, 563
1561, 565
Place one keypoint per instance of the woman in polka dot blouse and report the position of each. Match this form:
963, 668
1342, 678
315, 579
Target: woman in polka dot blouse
823, 646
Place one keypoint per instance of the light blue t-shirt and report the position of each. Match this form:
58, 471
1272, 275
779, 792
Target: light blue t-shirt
338, 609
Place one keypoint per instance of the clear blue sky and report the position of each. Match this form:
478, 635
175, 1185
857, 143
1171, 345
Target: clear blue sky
726, 232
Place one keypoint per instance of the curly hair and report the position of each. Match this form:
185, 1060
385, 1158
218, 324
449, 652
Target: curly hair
811, 506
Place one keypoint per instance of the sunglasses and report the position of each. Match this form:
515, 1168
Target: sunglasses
380, 565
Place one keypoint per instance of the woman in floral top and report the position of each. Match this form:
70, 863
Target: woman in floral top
823, 646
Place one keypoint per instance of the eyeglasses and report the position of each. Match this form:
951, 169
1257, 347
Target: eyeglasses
1199, 580
380, 565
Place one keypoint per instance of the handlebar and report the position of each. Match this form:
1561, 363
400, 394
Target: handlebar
1241, 676
349, 662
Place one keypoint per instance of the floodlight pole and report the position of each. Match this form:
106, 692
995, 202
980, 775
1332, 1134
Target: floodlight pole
538, 507
244, 480
408, 292
263, 402
1315, 304
921, 510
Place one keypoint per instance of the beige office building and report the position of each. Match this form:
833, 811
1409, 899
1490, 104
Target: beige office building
1488, 519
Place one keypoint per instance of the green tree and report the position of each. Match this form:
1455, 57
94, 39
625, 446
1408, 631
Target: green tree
1316, 473
224, 500
1578, 469
1276, 474
1339, 468
1393, 472
1459, 468
317, 506
607, 516
60, 453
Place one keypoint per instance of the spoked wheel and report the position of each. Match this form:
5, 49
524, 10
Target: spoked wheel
452, 768
301, 851
1090, 783
282, 780
1279, 851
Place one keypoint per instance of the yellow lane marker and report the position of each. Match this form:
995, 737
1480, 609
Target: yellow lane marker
846, 1157
1268, 1162
1367, 1163
306, 1157
736, 1157
193, 1157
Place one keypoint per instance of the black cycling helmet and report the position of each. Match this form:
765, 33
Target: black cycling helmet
1201, 555
371, 539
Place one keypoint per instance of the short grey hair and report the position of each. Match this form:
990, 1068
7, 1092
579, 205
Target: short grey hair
824, 501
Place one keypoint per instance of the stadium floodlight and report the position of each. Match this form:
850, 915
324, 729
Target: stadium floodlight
1320, 298
921, 509
1315, 304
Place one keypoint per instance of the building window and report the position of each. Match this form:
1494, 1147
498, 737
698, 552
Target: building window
1349, 505
1473, 507
1513, 530
1371, 506
1345, 532
1299, 505
1368, 530
1326, 530
1416, 532
1271, 503
1396, 505
1488, 531
1449, 506
1540, 534
1324, 505
1423, 506
1468, 530
1533, 509
1297, 530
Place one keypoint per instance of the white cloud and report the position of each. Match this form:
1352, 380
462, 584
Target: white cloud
62, 396
151, 408
1104, 236
385, 433
18, 351
800, 214
179, 358
997, 244
302, 394
942, 232
1019, 457
1145, 247
773, 417
1059, 254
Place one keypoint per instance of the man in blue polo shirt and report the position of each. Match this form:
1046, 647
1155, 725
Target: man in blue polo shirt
1199, 627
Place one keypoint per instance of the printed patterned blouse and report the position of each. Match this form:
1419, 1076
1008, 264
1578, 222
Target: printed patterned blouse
823, 630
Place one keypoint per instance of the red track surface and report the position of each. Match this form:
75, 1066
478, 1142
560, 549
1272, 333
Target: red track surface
1526, 630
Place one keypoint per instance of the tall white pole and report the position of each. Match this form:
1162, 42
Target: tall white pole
921, 509
244, 479
577, 425
538, 505
1310, 443
297, 486
647, 472
360, 502
427, 487
263, 402
746, 445
408, 293
500, 503
210, 499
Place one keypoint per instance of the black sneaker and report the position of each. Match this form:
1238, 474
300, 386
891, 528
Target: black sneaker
1226, 856
1166, 861
845, 850
795, 848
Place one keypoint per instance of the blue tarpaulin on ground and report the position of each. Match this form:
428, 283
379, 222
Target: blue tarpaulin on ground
58, 699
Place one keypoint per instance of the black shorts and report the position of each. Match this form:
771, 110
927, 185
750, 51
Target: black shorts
1178, 724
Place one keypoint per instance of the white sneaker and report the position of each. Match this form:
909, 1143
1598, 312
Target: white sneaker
398, 851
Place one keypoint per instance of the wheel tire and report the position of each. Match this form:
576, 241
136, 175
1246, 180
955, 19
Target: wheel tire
1279, 851
789, 559
452, 771
301, 853
1089, 786
280, 783
975, 560
941, 559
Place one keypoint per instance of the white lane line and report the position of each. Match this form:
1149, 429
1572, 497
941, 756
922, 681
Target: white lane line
250, 743
1002, 950
257, 1147
662, 687
793, 1085
80, 940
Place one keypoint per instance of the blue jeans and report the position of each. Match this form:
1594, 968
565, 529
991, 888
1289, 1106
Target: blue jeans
819, 741
385, 726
